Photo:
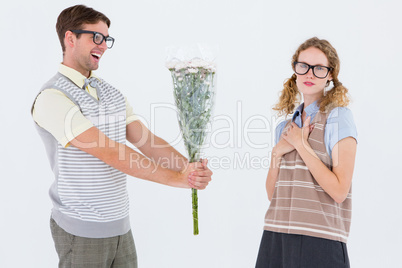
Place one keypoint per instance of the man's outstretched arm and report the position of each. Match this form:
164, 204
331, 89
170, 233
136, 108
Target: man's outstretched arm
163, 153
125, 159
154, 147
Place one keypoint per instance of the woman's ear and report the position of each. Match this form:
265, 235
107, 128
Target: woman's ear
329, 77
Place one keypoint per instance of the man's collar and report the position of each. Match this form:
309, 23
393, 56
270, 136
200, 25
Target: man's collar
74, 75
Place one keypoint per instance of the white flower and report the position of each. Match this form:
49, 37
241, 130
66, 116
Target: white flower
171, 64
192, 70
192, 66
211, 67
181, 65
197, 62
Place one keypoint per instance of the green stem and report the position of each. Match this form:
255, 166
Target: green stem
195, 210
194, 198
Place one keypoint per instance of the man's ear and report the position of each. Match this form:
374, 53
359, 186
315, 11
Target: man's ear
69, 39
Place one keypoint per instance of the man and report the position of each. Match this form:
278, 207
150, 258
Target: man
84, 123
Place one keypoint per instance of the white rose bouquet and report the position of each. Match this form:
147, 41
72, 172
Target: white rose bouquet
193, 84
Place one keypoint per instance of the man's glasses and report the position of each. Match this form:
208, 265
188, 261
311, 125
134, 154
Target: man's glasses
98, 37
319, 71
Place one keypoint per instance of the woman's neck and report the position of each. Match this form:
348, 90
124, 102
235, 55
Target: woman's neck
310, 99
307, 100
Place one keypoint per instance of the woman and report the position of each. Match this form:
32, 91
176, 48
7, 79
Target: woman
310, 175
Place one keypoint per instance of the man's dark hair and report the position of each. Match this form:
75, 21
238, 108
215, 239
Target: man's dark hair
72, 18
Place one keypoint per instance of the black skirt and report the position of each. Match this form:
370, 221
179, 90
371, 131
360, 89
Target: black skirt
279, 250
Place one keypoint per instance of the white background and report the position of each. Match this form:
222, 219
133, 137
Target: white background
257, 40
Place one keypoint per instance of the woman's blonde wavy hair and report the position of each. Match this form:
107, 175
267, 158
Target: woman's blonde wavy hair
337, 96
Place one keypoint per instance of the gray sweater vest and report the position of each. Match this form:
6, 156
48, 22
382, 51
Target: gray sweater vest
89, 197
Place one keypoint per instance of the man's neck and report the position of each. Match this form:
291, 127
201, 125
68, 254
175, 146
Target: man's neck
80, 70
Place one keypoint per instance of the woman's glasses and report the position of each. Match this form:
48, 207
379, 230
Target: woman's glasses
319, 71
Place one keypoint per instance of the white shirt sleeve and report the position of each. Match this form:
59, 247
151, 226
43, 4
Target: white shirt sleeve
130, 116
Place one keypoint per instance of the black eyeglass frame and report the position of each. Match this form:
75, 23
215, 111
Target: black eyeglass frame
312, 67
104, 38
